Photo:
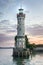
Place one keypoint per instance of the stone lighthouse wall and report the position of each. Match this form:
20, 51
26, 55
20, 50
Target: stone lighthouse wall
20, 30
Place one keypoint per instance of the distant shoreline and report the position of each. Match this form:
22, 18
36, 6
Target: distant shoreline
6, 47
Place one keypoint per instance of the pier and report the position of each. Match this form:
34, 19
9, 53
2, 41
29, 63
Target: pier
24, 53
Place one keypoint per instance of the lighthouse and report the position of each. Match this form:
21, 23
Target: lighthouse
20, 49
20, 42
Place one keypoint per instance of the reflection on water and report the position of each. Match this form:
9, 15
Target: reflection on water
18, 61
7, 59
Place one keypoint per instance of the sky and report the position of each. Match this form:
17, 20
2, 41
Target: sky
33, 10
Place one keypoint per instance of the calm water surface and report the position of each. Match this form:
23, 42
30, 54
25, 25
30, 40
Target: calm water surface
7, 59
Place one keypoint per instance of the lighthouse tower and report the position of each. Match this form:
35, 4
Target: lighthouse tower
20, 49
20, 43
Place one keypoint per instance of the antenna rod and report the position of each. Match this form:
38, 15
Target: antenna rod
21, 4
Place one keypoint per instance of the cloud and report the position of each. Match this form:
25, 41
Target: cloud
5, 25
6, 3
4, 37
14, 29
9, 31
4, 22
3, 3
1, 14
6, 40
35, 30
7, 37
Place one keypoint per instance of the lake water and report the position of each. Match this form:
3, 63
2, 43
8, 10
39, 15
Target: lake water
7, 59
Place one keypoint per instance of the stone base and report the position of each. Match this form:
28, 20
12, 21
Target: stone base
18, 52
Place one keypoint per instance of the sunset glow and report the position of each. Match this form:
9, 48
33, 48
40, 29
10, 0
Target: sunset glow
36, 40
